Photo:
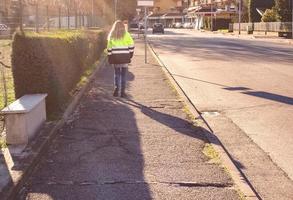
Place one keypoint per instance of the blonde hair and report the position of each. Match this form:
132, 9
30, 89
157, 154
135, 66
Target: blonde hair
118, 31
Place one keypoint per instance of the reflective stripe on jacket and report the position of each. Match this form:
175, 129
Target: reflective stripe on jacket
120, 51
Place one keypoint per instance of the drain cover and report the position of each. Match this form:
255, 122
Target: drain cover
210, 113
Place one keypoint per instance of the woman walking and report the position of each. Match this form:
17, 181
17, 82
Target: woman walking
120, 51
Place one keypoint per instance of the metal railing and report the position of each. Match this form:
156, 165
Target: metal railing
42, 16
265, 26
3, 92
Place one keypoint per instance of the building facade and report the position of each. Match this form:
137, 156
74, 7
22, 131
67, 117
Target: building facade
165, 6
168, 12
4, 9
208, 14
211, 14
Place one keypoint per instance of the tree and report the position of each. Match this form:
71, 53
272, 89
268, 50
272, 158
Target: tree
252, 12
16, 8
126, 9
270, 15
245, 17
253, 5
283, 9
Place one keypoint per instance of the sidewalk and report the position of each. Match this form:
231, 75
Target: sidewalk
258, 37
143, 147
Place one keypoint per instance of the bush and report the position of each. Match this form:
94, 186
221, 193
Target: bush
270, 15
53, 62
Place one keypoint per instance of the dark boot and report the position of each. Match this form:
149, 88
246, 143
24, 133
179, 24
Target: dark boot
116, 91
123, 94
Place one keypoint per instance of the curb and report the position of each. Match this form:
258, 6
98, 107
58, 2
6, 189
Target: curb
271, 39
16, 187
237, 175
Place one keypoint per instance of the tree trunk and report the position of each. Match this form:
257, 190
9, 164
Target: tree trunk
48, 21
37, 18
68, 19
59, 17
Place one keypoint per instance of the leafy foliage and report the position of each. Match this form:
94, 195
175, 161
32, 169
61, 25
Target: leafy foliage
125, 8
53, 62
270, 15
283, 8
253, 5
253, 15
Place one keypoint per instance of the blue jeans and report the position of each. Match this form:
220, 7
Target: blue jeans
120, 77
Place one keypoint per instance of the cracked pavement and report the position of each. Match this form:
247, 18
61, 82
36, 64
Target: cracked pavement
143, 147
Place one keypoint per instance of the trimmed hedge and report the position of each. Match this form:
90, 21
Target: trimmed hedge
53, 63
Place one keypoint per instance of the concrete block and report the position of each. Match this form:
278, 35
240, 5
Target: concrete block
24, 117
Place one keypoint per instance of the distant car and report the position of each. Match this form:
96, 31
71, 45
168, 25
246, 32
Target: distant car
158, 28
4, 29
133, 25
188, 25
178, 25
141, 25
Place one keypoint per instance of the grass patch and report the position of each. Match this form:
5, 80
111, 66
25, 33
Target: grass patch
223, 30
87, 73
2, 143
241, 195
212, 154
5, 57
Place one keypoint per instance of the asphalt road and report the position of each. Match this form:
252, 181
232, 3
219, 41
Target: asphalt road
240, 85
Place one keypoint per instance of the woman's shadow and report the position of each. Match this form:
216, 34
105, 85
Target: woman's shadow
180, 125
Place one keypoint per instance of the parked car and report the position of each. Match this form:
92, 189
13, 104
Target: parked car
133, 25
4, 29
188, 25
158, 28
141, 25
178, 25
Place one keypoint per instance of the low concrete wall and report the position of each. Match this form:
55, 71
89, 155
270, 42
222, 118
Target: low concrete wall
24, 117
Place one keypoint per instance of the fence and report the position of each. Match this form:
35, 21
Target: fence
6, 80
45, 17
285, 27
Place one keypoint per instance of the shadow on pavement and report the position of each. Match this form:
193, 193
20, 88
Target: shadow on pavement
247, 91
96, 156
5, 177
182, 126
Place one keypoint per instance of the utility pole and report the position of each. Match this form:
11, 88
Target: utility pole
145, 34
212, 28
21, 15
93, 13
59, 17
115, 10
68, 18
47, 17
239, 17
37, 16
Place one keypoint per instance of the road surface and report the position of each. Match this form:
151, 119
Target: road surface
244, 88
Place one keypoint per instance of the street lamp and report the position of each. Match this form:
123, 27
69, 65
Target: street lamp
239, 17
212, 24
292, 18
